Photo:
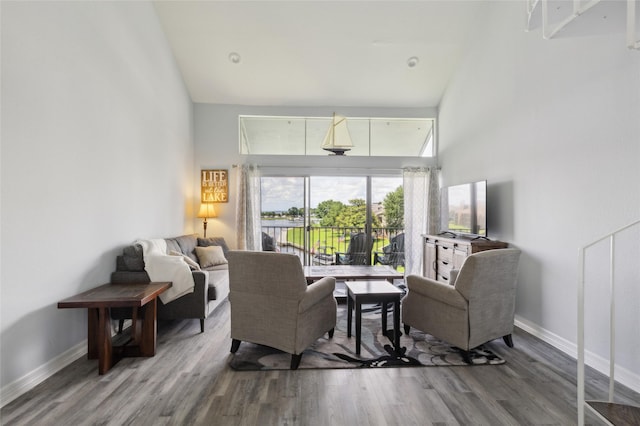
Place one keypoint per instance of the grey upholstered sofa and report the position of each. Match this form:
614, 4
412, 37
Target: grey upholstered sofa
478, 305
211, 281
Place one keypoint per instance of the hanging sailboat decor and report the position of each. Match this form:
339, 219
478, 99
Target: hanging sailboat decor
337, 139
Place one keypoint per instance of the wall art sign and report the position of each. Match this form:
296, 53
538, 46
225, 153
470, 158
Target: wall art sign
214, 186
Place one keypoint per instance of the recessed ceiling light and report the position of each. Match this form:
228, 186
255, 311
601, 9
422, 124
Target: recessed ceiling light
234, 57
413, 61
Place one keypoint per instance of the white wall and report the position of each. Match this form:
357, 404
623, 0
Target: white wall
97, 150
554, 126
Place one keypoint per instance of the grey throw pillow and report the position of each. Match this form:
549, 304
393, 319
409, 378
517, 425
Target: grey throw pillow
132, 257
210, 256
214, 241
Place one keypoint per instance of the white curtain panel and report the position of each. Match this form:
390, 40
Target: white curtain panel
433, 221
421, 195
248, 208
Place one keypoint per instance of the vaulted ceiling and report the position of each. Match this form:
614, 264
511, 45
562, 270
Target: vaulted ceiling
318, 53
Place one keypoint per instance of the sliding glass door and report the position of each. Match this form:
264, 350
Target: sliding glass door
283, 214
332, 219
338, 217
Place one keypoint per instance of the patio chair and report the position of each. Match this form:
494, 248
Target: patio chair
268, 243
323, 256
391, 254
358, 252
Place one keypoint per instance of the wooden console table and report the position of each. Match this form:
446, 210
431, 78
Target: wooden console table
141, 298
442, 253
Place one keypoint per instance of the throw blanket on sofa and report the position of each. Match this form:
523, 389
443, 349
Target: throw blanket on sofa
162, 267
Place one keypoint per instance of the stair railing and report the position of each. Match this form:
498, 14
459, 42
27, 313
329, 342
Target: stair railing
581, 346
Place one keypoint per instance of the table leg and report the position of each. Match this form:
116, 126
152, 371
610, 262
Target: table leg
349, 314
149, 329
358, 325
396, 324
105, 346
136, 325
384, 318
92, 333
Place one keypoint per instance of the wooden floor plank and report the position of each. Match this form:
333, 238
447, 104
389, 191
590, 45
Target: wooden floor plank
189, 382
617, 414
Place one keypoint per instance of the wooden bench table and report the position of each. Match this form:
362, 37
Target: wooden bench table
141, 298
352, 272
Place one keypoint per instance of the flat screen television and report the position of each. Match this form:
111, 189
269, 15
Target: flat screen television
464, 209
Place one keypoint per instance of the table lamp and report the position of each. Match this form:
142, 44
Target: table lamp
207, 210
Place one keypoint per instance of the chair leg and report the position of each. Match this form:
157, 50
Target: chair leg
295, 361
508, 340
407, 328
331, 333
120, 325
235, 344
202, 325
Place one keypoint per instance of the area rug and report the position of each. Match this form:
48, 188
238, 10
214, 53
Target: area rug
417, 349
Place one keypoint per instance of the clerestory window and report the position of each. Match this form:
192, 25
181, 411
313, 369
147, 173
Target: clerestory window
370, 137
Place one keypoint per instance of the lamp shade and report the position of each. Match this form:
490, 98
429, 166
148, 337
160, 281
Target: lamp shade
207, 210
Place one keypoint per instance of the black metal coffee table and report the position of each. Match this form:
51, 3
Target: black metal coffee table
378, 291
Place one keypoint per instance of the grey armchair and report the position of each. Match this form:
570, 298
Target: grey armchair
477, 307
272, 305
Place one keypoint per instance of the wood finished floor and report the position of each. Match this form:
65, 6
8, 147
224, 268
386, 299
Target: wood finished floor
189, 382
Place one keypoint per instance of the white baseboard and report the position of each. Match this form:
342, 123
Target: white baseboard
622, 375
30, 380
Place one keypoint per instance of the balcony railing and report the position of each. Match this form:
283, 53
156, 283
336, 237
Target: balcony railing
325, 242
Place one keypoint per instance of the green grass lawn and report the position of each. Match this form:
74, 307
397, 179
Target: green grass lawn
327, 240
